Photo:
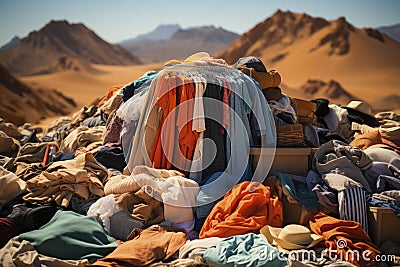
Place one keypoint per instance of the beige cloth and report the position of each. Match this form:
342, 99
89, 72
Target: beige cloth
10, 129
57, 124
81, 176
81, 115
113, 103
120, 184
16, 254
167, 186
144, 247
8, 145
10, 186
82, 137
141, 206
83, 161
26, 171
145, 175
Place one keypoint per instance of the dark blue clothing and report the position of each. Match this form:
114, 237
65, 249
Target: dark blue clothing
130, 89
111, 157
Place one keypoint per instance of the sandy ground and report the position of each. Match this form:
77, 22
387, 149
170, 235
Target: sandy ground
84, 87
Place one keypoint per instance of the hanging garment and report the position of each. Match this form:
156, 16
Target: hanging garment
165, 95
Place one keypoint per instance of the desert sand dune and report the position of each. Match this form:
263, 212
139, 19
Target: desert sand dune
85, 87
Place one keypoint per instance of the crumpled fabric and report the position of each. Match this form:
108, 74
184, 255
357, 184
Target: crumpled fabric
9, 146
69, 235
22, 253
10, 186
113, 102
144, 247
383, 155
303, 258
243, 250
282, 106
62, 180
113, 131
383, 201
374, 138
33, 152
333, 230
337, 121
193, 248
383, 176
141, 206
82, 137
104, 208
56, 126
10, 129
294, 186
79, 116
246, 208
177, 193
338, 157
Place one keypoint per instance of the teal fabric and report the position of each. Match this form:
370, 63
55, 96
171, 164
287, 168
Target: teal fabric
71, 236
244, 250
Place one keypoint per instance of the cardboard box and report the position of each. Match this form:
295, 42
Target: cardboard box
286, 160
383, 225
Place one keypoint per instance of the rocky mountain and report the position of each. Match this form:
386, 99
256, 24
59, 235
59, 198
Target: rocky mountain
20, 103
59, 39
161, 32
331, 90
390, 102
393, 31
12, 43
364, 61
183, 43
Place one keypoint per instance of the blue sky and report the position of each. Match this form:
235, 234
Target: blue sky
118, 20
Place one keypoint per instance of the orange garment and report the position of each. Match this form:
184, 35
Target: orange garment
367, 140
349, 232
246, 208
110, 93
187, 137
144, 247
166, 99
174, 91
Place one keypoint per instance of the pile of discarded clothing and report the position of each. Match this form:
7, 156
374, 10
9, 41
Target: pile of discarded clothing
159, 173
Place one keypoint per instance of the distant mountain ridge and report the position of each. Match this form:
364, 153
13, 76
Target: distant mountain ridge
393, 31
12, 43
183, 43
59, 39
161, 32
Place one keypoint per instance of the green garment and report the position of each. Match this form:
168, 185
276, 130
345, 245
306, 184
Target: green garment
71, 236
244, 250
